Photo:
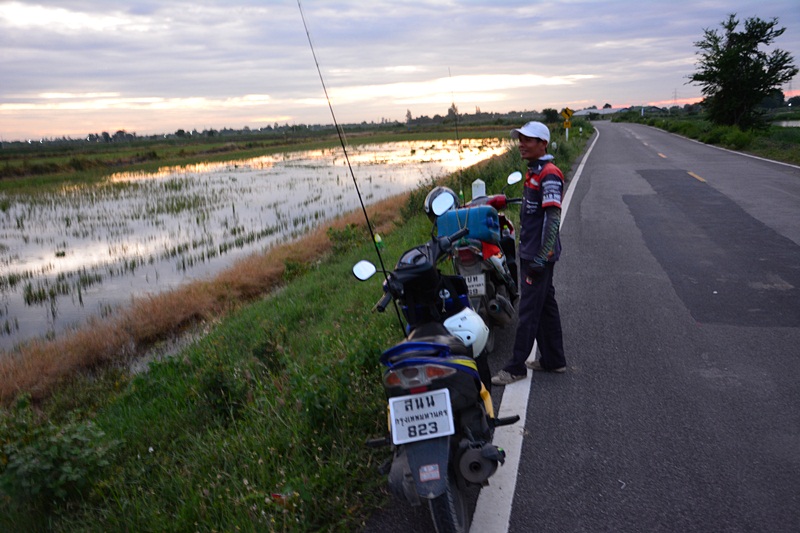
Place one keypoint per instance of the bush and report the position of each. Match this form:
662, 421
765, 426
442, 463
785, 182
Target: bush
42, 464
714, 135
294, 269
346, 238
416, 200
737, 139
691, 129
80, 163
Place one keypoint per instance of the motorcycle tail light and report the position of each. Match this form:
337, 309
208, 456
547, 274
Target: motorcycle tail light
438, 372
467, 256
416, 376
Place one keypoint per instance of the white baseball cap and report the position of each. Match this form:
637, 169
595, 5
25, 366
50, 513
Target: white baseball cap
532, 129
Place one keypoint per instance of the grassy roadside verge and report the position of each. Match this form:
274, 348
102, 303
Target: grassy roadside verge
258, 425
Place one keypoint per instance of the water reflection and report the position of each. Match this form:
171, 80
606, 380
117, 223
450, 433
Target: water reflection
82, 251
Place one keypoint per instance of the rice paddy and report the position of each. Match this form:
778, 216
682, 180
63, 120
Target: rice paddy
84, 251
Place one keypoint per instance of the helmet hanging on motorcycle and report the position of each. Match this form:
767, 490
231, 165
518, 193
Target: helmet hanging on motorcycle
435, 192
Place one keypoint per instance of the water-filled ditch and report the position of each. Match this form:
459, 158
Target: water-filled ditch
84, 251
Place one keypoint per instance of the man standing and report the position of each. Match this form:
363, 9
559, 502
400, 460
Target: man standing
539, 249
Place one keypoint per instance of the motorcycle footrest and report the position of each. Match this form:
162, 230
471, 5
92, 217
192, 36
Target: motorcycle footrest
505, 421
379, 443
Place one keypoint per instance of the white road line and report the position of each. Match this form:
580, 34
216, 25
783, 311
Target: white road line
493, 510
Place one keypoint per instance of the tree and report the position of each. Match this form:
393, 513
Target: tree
735, 74
452, 112
550, 115
774, 100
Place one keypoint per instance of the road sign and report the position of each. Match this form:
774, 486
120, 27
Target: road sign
567, 113
567, 124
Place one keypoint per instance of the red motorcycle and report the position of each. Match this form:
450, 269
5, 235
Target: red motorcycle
487, 256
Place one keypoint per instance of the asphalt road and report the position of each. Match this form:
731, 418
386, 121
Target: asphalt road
679, 288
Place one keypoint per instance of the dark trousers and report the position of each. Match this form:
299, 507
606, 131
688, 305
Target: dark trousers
539, 320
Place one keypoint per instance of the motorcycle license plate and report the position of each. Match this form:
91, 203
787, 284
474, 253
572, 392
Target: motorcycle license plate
476, 284
423, 416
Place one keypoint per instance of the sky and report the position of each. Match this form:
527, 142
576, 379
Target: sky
70, 68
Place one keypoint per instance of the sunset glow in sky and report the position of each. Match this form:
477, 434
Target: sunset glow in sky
70, 68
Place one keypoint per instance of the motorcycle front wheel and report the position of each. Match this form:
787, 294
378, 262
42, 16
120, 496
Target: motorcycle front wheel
449, 510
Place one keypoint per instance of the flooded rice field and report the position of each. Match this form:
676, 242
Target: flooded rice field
85, 251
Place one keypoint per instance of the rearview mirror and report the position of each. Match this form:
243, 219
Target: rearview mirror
514, 177
364, 270
442, 203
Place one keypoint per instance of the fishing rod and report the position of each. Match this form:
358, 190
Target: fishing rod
340, 133
458, 140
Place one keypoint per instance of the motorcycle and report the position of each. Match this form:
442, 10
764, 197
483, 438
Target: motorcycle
487, 257
440, 416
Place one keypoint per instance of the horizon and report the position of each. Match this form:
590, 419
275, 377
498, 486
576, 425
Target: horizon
328, 125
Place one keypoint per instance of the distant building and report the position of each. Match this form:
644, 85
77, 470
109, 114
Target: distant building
610, 111
600, 112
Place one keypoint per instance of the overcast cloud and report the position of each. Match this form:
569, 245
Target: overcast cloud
70, 68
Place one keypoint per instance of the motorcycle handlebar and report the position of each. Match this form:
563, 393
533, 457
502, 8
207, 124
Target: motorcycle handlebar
383, 302
498, 201
446, 243
463, 232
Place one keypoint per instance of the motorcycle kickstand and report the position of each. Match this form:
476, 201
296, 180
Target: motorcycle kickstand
505, 421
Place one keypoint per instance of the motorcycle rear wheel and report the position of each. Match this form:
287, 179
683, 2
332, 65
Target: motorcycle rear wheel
449, 511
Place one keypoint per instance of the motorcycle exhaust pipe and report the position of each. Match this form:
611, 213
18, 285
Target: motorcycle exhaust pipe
478, 464
501, 312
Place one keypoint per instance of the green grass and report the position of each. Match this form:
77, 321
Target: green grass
257, 426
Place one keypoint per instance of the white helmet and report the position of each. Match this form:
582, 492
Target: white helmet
468, 326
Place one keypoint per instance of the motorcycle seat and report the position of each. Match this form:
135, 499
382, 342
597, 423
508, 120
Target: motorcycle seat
434, 332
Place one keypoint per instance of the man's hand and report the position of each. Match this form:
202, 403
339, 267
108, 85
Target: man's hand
535, 270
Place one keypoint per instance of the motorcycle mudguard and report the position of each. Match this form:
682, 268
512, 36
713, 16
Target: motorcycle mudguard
401, 482
419, 469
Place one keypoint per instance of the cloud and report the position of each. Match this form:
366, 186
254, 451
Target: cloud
154, 67
26, 17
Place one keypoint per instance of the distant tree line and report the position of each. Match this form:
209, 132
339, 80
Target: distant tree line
286, 131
